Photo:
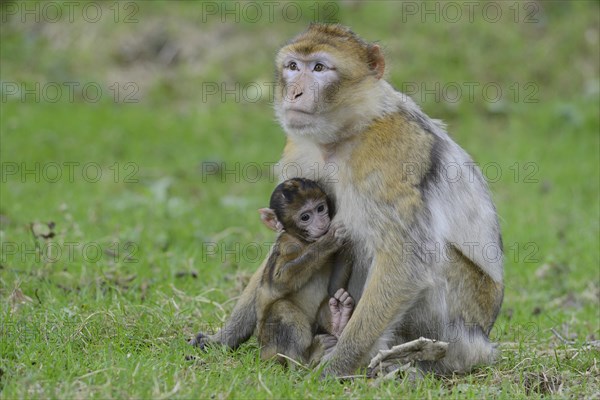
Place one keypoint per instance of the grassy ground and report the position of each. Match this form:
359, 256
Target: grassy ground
127, 131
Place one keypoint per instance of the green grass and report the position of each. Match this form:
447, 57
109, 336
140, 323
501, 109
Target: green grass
78, 323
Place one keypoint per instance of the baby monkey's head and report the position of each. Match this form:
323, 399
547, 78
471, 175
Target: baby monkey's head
300, 207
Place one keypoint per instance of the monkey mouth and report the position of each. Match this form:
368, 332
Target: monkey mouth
299, 111
300, 120
311, 237
323, 232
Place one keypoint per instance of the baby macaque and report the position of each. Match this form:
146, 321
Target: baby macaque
295, 317
301, 309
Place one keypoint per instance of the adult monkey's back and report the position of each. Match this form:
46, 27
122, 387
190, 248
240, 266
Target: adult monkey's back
425, 243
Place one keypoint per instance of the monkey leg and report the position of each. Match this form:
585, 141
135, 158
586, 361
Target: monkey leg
241, 323
286, 330
386, 297
338, 310
322, 344
431, 318
459, 308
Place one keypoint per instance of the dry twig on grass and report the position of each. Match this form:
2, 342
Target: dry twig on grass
421, 349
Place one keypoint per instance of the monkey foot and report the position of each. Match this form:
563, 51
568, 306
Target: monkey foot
199, 341
341, 306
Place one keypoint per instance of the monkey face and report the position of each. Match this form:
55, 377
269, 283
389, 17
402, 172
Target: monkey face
324, 76
308, 83
313, 219
300, 206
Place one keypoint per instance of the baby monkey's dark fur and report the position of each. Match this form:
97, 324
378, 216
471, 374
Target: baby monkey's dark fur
299, 291
292, 299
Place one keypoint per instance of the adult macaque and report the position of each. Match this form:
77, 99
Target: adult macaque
424, 244
295, 318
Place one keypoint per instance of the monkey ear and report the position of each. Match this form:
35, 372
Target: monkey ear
377, 62
268, 217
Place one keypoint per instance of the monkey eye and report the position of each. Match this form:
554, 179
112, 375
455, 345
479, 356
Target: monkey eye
321, 208
293, 66
304, 217
319, 67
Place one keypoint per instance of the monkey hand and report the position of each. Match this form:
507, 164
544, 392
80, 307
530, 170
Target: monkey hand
201, 340
327, 341
335, 236
339, 232
327, 370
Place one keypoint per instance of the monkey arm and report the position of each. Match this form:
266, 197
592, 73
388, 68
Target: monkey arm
341, 271
297, 262
294, 273
386, 298
243, 319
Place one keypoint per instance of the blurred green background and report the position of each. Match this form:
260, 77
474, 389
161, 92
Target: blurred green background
144, 132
